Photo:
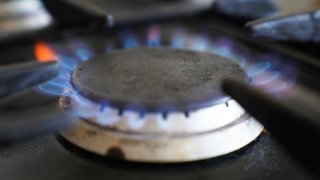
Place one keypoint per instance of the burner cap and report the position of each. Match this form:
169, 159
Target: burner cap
155, 79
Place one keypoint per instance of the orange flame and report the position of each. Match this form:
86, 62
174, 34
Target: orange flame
44, 52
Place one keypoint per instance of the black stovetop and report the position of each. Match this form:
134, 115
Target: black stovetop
52, 158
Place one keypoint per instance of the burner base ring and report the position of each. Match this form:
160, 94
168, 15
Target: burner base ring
164, 148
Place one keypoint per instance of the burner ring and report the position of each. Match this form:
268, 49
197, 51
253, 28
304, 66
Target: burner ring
153, 144
153, 124
164, 148
155, 79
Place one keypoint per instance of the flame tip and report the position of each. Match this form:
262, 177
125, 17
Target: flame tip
43, 52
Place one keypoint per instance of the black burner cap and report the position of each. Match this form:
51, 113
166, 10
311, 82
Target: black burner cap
155, 79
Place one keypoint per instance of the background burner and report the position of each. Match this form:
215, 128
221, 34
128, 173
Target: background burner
155, 79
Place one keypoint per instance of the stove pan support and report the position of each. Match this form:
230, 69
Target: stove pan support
20, 19
247, 9
293, 120
69, 13
300, 27
24, 113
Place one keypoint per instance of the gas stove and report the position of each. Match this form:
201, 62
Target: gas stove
148, 89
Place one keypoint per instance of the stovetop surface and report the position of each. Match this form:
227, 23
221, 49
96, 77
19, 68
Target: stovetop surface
46, 158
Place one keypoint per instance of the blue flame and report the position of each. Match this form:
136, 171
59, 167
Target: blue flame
272, 75
84, 54
136, 123
60, 81
81, 50
129, 40
221, 46
103, 106
258, 68
227, 53
240, 60
223, 52
153, 36
178, 39
58, 84
52, 88
200, 43
67, 63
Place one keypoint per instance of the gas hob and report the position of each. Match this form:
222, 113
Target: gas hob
172, 94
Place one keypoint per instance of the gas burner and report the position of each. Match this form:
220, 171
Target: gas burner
157, 105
